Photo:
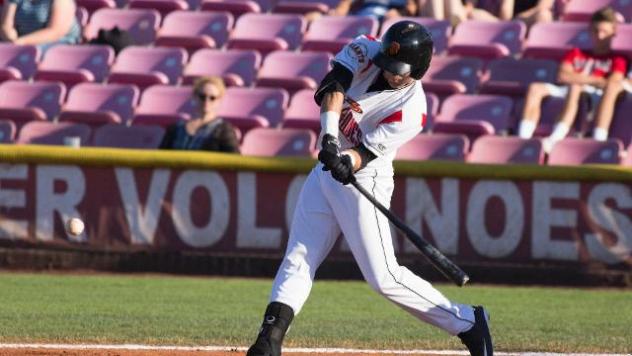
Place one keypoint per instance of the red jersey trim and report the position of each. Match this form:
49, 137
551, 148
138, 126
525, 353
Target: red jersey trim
394, 117
424, 118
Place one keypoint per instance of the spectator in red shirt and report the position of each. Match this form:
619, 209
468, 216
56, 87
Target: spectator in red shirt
582, 72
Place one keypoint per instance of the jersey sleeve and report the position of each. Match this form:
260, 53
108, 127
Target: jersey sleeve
395, 130
357, 55
571, 55
620, 65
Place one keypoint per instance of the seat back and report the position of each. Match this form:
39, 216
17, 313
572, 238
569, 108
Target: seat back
575, 151
505, 149
122, 136
278, 142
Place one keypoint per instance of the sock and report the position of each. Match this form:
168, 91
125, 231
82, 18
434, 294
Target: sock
600, 134
560, 131
276, 321
527, 128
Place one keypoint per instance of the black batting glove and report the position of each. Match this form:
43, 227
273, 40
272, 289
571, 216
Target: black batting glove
329, 154
340, 166
343, 170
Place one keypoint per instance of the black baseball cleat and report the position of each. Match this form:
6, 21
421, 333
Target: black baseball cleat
478, 339
264, 347
276, 321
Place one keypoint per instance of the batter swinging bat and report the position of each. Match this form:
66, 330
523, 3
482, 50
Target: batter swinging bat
436, 258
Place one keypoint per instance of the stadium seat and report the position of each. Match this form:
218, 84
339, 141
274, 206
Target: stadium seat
582, 10
234, 7
122, 136
194, 30
439, 29
628, 157
446, 147
164, 105
509, 76
164, 7
142, 24
278, 142
304, 7
51, 133
23, 101
432, 108
622, 42
72, 64
7, 131
146, 66
17, 62
621, 126
303, 113
506, 149
248, 108
92, 6
331, 33
293, 70
474, 115
97, 104
551, 40
487, 40
550, 110
452, 75
267, 32
575, 151
238, 67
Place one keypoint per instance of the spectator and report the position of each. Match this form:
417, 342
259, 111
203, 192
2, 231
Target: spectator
380, 9
581, 72
457, 11
614, 89
207, 131
44, 23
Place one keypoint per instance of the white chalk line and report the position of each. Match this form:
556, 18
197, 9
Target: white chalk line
133, 347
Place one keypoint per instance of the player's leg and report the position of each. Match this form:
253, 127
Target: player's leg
368, 235
531, 112
312, 234
566, 118
605, 110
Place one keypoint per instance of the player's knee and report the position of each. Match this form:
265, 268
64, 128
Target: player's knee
384, 283
537, 90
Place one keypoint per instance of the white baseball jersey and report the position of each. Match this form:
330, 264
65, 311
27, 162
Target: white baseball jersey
384, 120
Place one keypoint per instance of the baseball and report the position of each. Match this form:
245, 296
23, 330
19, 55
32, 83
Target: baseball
75, 226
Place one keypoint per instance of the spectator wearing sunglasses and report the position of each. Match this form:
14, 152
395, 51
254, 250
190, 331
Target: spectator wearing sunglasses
206, 131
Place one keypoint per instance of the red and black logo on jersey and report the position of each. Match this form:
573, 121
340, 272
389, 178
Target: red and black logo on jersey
349, 127
353, 105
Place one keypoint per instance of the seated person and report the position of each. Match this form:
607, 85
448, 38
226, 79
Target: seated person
380, 9
603, 118
44, 23
581, 72
206, 131
457, 11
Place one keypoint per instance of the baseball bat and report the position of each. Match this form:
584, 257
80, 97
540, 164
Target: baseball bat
436, 258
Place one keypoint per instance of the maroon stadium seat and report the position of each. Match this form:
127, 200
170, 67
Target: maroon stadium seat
303, 113
248, 108
505, 149
142, 24
145, 66
72, 64
331, 33
267, 32
453, 75
164, 105
51, 133
17, 62
194, 30
278, 142
575, 151
238, 67
7, 131
121, 136
294, 70
509, 76
23, 101
551, 40
487, 40
96, 104
447, 147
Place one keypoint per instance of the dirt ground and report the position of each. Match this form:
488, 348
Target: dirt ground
102, 352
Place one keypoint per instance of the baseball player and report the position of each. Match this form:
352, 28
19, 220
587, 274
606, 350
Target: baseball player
372, 102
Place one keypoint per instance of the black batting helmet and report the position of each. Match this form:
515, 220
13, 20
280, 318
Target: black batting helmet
406, 47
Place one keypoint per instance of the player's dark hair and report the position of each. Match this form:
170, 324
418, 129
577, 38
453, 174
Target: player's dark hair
607, 14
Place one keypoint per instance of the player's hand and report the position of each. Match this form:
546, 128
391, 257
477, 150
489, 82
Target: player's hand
330, 152
342, 171
340, 166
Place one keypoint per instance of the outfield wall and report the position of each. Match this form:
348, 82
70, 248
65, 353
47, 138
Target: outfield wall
134, 200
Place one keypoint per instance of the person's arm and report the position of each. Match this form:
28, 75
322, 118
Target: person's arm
228, 139
7, 27
343, 8
61, 20
506, 10
167, 139
567, 75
